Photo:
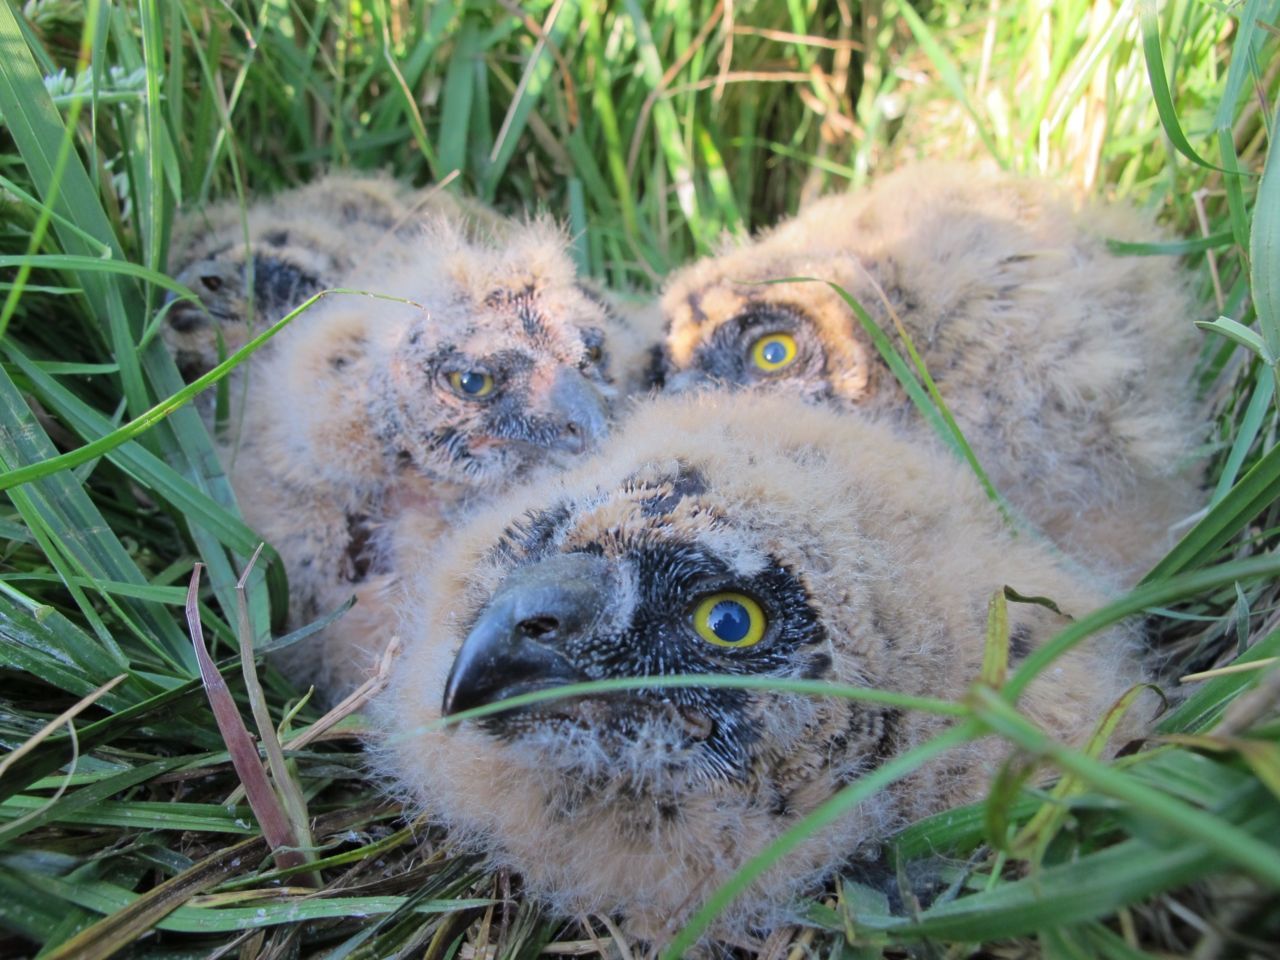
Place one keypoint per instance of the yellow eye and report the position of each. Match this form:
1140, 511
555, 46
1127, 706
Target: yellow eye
729, 620
773, 351
472, 384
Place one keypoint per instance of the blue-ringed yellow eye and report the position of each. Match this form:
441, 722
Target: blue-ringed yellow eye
729, 620
472, 384
773, 351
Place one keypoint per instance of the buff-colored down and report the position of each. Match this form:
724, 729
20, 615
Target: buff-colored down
1067, 367
250, 270
874, 560
501, 361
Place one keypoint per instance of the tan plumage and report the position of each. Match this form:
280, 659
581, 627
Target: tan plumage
1067, 367
299, 242
501, 362
872, 558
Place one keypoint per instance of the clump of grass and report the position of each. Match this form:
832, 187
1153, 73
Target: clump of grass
653, 129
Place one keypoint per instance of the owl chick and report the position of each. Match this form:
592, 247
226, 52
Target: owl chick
319, 235
299, 242
1066, 367
498, 364
755, 536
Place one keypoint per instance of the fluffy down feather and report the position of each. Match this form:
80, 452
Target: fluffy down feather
498, 364
298, 243
1067, 367
873, 560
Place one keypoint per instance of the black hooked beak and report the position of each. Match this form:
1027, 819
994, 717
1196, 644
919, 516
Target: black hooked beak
579, 410
515, 647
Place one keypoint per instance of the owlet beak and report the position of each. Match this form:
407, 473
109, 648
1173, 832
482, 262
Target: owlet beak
517, 645
579, 409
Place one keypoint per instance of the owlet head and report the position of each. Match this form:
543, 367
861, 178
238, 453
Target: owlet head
688, 547
507, 367
646, 580
748, 536
801, 338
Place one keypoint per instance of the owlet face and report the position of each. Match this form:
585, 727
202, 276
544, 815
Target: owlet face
518, 379
648, 579
798, 338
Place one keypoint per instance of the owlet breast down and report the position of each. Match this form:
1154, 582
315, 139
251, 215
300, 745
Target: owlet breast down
732, 534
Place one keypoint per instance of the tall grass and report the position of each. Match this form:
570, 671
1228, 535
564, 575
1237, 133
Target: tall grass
653, 129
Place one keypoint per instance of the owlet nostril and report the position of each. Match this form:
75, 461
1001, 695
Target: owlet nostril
536, 627
572, 437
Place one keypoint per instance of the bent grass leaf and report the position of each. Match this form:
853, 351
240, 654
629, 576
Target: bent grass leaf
1238, 333
1149, 17
266, 804
1255, 491
1232, 842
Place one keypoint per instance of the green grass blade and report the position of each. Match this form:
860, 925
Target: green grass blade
58, 505
1256, 490
1175, 248
1246, 433
1151, 593
950, 75
1150, 19
145, 467
1234, 843
827, 813
1203, 708
1264, 256
33, 812
107, 898
529, 92
456, 110
143, 422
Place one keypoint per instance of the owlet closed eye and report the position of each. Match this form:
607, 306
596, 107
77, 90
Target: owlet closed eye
472, 384
729, 620
773, 352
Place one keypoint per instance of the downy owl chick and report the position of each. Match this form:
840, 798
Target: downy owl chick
756, 536
1067, 367
298, 242
366, 406
321, 235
